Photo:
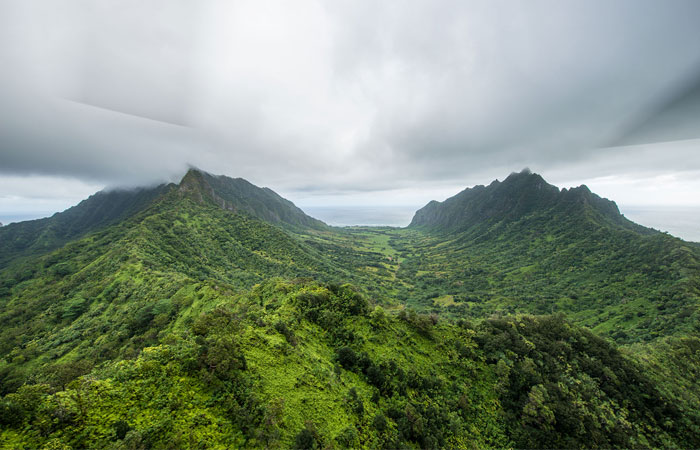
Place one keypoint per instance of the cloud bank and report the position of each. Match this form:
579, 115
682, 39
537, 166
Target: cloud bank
325, 98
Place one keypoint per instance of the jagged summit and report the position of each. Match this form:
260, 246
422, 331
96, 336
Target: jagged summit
111, 206
520, 194
239, 195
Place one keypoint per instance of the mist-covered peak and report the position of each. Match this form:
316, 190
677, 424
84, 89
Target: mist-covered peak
239, 195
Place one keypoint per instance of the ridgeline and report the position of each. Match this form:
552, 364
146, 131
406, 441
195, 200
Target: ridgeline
214, 313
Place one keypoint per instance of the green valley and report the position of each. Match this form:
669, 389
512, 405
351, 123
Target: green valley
215, 314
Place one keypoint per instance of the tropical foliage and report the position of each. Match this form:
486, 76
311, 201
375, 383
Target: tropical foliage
208, 314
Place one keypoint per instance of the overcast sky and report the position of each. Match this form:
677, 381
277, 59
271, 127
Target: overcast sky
349, 102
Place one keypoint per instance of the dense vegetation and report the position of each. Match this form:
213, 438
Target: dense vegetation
309, 365
214, 315
624, 285
523, 246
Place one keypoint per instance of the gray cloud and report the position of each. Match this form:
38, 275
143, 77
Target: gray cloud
337, 96
675, 116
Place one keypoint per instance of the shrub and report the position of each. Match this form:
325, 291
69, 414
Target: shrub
307, 438
346, 357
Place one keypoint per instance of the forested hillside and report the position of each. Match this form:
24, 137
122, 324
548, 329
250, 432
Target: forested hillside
522, 245
100, 210
305, 365
213, 313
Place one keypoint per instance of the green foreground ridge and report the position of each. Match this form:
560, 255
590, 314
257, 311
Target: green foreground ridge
216, 314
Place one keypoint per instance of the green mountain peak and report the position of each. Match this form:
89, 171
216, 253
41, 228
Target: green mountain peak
194, 186
112, 206
241, 196
519, 195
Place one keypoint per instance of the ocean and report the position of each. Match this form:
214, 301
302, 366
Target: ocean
683, 222
343, 216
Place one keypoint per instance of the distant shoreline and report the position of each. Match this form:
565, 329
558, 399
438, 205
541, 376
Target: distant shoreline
680, 221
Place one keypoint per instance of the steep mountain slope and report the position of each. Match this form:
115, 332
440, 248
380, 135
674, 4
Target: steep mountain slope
238, 195
98, 211
90, 293
112, 206
109, 293
517, 196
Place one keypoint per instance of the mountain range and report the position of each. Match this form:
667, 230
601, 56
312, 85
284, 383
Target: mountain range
216, 313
